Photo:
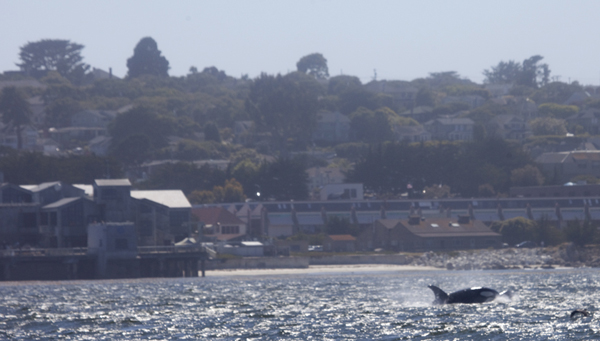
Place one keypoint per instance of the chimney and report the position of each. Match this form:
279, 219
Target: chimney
109, 73
414, 220
464, 219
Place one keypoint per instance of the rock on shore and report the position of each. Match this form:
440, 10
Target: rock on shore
566, 255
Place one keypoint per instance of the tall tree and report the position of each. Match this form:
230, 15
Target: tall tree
147, 60
63, 56
503, 73
15, 111
340, 84
529, 73
372, 126
315, 65
284, 106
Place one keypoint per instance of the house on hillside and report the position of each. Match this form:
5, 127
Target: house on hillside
321, 176
474, 101
9, 138
578, 98
93, 118
100, 145
498, 90
509, 127
38, 110
22, 83
65, 135
218, 224
420, 114
343, 191
564, 166
417, 234
453, 129
243, 132
588, 119
332, 127
411, 134
402, 92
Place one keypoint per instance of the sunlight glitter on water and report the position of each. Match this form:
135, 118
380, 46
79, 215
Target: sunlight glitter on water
392, 306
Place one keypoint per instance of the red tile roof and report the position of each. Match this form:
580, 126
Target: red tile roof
214, 215
342, 237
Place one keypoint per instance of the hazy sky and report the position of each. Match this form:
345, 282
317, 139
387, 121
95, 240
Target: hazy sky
400, 39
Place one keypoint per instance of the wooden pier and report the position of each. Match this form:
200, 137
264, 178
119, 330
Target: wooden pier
78, 263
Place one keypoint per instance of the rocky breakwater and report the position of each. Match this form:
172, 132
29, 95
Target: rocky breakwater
566, 255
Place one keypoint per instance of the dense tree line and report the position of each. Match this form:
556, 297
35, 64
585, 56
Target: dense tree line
464, 166
35, 168
170, 113
545, 232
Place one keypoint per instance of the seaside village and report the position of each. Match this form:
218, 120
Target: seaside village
109, 215
110, 221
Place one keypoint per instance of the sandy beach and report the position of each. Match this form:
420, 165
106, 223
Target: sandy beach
320, 270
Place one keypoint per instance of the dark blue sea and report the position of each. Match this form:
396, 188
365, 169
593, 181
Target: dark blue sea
331, 306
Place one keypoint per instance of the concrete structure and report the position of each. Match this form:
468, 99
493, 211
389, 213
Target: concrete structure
55, 214
342, 191
162, 216
283, 218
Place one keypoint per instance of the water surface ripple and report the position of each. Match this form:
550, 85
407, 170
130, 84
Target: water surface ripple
360, 306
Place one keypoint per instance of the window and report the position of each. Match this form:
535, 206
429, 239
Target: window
230, 229
178, 218
145, 228
28, 220
121, 244
108, 193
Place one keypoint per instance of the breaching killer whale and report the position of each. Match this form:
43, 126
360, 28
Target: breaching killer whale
470, 295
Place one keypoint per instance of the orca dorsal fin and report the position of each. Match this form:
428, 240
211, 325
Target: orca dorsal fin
440, 295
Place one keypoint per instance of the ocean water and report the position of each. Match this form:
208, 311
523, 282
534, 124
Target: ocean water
359, 306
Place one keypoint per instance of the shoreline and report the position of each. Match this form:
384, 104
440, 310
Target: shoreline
315, 270
321, 270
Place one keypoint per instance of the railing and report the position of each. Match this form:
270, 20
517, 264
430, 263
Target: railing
33, 252
82, 251
170, 249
